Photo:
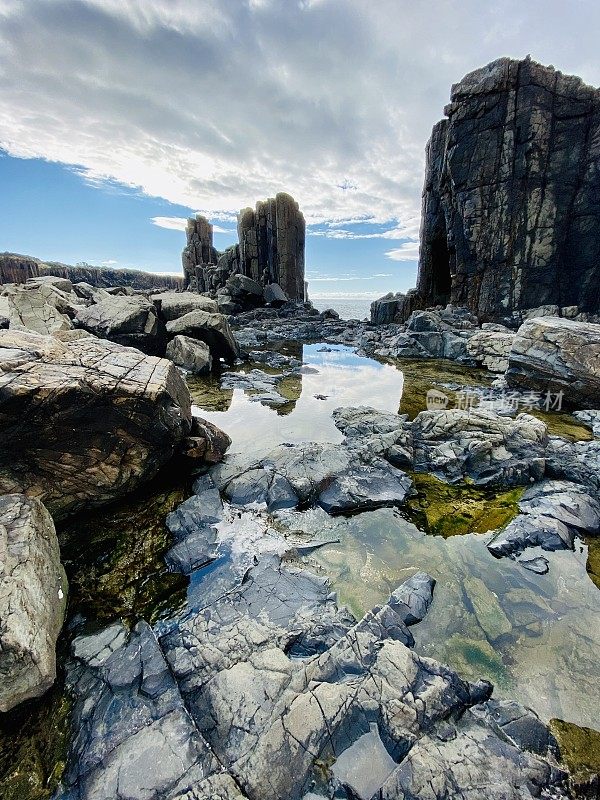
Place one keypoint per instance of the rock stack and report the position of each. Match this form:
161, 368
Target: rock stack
510, 212
266, 266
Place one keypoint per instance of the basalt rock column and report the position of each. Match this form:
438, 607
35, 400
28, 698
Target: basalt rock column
198, 253
511, 217
272, 241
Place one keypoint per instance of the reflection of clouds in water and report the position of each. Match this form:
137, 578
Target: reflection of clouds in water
342, 377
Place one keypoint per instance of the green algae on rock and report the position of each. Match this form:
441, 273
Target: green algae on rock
114, 557
593, 559
579, 750
206, 392
422, 375
34, 740
445, 509
561, 423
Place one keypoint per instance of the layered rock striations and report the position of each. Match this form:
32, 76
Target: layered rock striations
84, 421
270, 252
511, 218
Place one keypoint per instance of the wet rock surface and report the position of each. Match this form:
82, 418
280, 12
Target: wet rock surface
33, 597
329, 476
235, 696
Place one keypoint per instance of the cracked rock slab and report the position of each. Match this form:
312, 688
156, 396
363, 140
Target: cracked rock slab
83, 422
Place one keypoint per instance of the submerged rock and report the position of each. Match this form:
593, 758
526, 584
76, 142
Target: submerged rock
172, 305
62, 405
33, 591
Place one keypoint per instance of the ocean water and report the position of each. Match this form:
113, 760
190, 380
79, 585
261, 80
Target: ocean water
347, 307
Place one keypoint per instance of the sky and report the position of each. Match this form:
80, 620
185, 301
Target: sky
120, 118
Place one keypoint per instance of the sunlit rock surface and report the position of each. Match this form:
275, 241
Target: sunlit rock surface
33, 597
83, 422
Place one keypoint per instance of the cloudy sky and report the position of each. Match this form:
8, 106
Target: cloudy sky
118, 118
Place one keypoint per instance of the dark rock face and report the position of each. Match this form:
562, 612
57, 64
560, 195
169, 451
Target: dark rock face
270, 251
15, 268
510, 212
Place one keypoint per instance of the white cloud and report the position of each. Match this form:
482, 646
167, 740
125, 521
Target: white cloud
170, 223
216, 105
409, 251
179, 224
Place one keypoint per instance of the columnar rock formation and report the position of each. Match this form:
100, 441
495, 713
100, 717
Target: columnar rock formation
270, 249
511, 218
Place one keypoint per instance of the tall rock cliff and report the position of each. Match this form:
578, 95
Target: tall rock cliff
511, 203
270, 249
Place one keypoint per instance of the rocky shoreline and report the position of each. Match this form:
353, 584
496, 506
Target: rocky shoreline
210, 646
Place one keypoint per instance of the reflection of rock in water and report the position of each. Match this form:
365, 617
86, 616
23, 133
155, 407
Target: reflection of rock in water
206, 393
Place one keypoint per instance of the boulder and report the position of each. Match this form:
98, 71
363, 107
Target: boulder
574, 461
171, 305
552, 514
130, 321
491, 348
64, 284
206, 442
4, 312
92, 294
35, 308
274, 295
557, 356
83, 422
213, 329
486, 447
330, 476
33, 592
244, 290
189, 353
590, 417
